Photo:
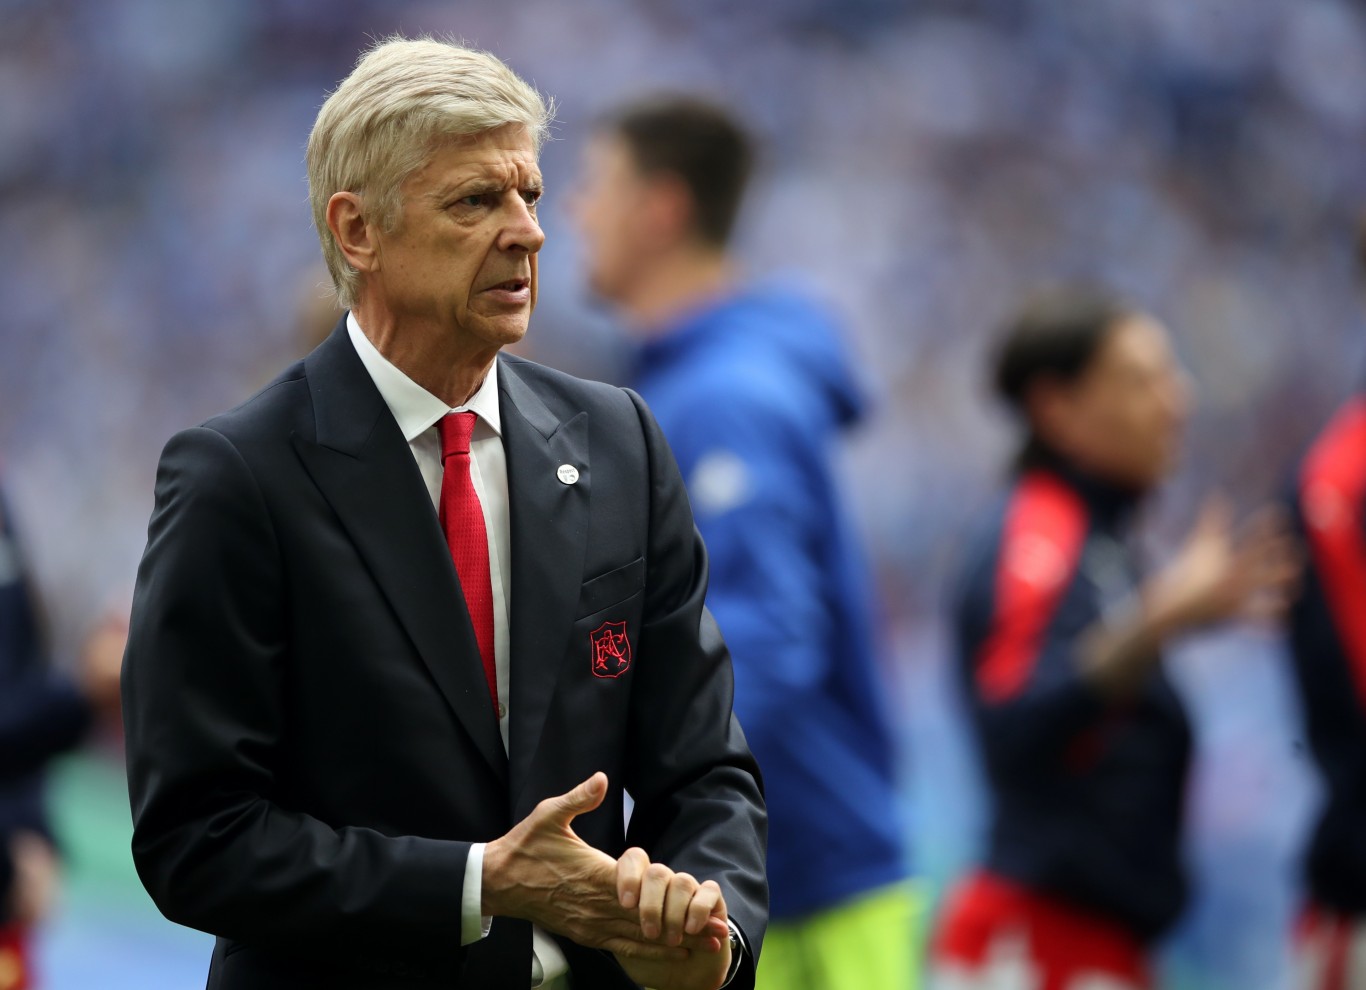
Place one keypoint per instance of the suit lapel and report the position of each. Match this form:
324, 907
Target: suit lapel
549, 537
364, 468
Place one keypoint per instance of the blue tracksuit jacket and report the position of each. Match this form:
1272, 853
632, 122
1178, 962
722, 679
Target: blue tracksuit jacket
753, 393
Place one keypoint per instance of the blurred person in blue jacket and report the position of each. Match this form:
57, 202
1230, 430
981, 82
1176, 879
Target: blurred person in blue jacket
1060, 635
42, 713
753, 388
1328, 643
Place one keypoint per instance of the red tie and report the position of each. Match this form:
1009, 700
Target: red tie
462, 518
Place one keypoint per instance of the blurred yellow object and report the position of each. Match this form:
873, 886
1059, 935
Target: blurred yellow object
874, 940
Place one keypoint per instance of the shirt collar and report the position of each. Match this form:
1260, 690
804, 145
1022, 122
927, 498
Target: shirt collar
413, 407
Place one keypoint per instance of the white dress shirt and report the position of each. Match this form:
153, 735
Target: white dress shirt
417, 412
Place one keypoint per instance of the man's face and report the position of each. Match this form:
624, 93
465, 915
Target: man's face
1124, 417
463, 255
610, 207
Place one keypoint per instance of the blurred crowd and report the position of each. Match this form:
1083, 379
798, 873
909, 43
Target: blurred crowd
925, 164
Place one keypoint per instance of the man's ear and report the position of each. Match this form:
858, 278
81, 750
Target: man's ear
352, 231
1049, 409
670, 209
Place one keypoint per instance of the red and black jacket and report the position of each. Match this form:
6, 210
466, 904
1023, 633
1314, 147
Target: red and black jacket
1087, 795
1328, 639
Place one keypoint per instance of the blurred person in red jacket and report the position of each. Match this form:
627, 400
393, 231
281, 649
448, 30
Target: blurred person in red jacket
1328, 643
1060, 636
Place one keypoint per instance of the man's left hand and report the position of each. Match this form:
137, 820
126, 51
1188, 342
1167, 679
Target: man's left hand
673, 906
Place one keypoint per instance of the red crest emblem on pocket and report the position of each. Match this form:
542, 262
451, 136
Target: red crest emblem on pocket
611, 649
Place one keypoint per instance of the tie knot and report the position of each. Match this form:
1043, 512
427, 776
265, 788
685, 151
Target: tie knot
456, 430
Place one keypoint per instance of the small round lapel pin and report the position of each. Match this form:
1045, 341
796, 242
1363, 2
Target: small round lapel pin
568, 474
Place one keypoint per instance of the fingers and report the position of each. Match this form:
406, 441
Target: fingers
653, 891
715, 933
674, 909
1269, 563
1275, 583
703, 904
631, 869
678, 898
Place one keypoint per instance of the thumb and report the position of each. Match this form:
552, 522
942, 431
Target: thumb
582, 799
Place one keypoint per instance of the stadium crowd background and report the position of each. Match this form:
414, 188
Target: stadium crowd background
926, 163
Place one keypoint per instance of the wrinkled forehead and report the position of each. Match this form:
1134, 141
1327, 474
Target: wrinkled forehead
506, 155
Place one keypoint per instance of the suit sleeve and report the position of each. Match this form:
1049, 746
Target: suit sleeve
1019, 624
699, 801
215, 841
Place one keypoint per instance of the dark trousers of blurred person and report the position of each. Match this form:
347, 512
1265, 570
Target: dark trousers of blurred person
1328, 639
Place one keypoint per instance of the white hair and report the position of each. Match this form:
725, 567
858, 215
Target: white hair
386, 118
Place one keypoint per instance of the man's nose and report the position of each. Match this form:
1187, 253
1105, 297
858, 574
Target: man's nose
523, 231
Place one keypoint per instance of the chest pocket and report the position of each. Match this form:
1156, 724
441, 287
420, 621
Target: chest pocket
611, 588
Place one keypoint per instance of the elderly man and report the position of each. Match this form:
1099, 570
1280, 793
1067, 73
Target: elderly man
412, 619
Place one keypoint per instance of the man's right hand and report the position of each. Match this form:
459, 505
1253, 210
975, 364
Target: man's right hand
1223, 572
542, 872
1220, 573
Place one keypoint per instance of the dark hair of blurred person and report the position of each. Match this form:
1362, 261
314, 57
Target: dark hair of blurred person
1060, 635
1328, 643
698, 144
754, 389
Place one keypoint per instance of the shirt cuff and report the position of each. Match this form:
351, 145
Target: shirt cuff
473, 925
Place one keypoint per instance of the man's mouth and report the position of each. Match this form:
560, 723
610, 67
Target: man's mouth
511, 285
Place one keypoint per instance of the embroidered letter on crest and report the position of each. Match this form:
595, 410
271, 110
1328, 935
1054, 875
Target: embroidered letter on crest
611, 649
